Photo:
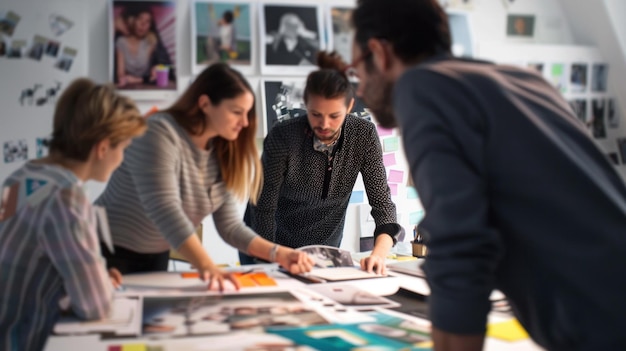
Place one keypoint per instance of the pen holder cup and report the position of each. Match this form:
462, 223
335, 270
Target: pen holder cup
419, 249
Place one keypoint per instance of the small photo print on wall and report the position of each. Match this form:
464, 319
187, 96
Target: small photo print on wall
282, 100
59, 24
598, 108
291, 36
67, 58
143, 46
16, 50
15, 150
52, 48
612, 116
578, 78
520, 26
342, 33
221, 32
599, 76
8, 22
38, 47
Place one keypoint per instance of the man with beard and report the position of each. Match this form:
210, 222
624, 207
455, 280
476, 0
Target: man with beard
517, 195
310, 166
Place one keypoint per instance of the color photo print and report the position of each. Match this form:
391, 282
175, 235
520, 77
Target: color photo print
143, 48
223, 314
222, 32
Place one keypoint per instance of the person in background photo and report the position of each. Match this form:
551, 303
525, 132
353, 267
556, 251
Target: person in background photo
133, 50
311, 164
196, 158
293, 44
138, 48
517, 195
49, 242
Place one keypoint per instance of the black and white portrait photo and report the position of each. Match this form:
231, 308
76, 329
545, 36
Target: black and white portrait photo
579, 106
578, 78
291, 37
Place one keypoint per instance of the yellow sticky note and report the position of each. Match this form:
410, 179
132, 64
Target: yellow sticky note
510, 330
134, 347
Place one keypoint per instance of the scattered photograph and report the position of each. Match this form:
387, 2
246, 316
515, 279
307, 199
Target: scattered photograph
522, 26
291, 36
8, 22
390, 331
59, 24
621, 146
282, 100
326, 256
599, 77
16, 50
579, 106
351, 296
612, 116
598, 108
221, 314
341, 31
38, 47
222, 32
15, 150
578, 78
143, 45
66, 59
558, 78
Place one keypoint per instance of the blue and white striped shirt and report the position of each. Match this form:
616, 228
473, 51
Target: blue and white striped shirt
49, 248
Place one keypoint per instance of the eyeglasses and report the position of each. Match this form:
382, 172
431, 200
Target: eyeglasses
351, 71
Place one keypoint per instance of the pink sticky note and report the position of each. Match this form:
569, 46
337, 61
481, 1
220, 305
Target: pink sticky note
395, 176
393, 188
389, 159
383, 131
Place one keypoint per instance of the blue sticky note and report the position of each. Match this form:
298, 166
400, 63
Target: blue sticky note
356, 197
411, 193
416, 217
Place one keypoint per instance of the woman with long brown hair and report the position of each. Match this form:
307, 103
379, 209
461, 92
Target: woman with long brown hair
195, 159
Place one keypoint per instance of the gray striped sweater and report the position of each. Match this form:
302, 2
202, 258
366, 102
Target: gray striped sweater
163, 190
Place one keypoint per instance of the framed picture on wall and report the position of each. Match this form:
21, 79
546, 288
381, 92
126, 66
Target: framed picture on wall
578, 77
340, 33
221, 31
282, 99
143, 48
291, 36
520, 26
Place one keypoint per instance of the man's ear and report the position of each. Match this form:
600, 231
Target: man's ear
381, 53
